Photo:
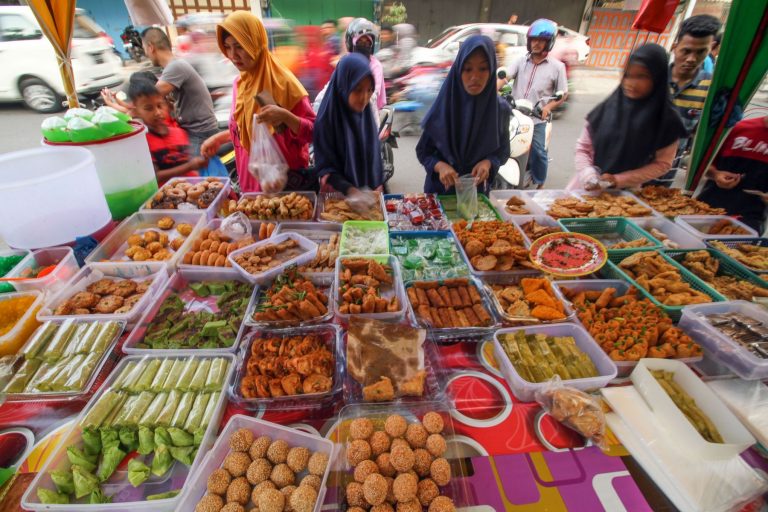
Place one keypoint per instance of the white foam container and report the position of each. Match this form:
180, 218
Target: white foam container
675, 232
499, 198
526, 391
66, 267
197, 485
309, 247
387, 291
697, 225
213, 208
736, 437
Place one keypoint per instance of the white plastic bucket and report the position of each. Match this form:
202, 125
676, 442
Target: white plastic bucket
49, 196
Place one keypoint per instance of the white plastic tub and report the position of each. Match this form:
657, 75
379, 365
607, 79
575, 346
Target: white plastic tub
66, 267
309, 195
49, 197
698, 225
499, 198
196, 486
13, 252
675, 233
526, 391
736, 437
387, 291
308, 248
213, 208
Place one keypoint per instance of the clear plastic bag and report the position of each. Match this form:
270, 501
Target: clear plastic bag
575, 409
265, 161
466, 197
236, 226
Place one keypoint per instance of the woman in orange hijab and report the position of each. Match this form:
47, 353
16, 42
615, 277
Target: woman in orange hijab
243, 40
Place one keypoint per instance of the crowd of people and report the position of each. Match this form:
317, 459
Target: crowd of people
638, 135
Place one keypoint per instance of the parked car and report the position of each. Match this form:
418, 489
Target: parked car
570, 42
30, 70
445, 46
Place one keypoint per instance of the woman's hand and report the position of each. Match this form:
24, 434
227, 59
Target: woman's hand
724, 179
210, 147
608, 178
448, 175
272, 115
481, 171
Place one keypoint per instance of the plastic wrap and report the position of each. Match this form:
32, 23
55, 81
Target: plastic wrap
575, 409
236, 226
266, 163
748, 400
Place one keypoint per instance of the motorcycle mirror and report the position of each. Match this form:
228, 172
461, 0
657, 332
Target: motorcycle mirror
559, 95
501, 73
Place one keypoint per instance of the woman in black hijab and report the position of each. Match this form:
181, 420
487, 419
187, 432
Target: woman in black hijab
632, 136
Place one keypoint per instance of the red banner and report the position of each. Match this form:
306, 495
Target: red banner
654, 15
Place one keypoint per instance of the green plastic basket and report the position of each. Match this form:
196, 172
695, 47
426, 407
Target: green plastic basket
486, 210
611, 270
363, 225
625, 229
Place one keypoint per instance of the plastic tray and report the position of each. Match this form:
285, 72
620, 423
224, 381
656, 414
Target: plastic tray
450, 207
196, 487
113, 247
698, 224
513, 320
176, 284
309, 247
611, 270
323, 282
542, 220
14, 252
458, 487
619, 193
733, 242
322, 198
173, 480
719, 345
13, 340
212, 209
331, 335
387, 291
75, 394
66, 267
309, 195
602, 228
363, 225
736, 437
748, 401
412, 227
499, 198
543, 199
624, 367
320, 233
155, 272
676, 234
525, 391
488, 273
430, 270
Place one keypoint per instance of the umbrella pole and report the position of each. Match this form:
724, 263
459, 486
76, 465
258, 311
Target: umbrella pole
67, 77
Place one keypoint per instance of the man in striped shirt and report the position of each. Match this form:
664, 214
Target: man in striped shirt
689, 82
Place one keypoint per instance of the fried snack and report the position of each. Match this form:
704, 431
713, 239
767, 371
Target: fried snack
184, 195
539, 303
664, 239
151, 245
533, 230
360, 286
753, 256
672, 202
576, 410
628, 328
325, 261
538, 357
707, 267
726, 227
291, 299
493, 245
102, 297
687, 406
661, 279
212, 246
603, 205
516, 206
290, 206
290, 365
337, 209
640, 242
268, 256
453, 303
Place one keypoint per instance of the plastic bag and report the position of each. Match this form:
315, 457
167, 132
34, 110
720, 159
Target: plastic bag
362, 200
574, 409
466, 197
236, 226
265, 161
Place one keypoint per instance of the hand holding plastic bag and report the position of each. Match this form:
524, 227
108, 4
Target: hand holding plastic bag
574, 409
265, 161
362, 200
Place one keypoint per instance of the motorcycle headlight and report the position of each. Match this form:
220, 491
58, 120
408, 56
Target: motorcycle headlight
525, 128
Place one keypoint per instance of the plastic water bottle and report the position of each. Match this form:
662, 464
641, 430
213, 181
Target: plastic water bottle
111, 124
81, 130
55, 129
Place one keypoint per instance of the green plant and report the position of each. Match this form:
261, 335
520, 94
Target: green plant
396, 13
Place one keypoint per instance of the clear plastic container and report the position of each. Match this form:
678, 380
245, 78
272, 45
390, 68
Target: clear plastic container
75, 394
113, 247
489, 273
428, 243
177, 284
508, 319
749, 402
499, 200
458, 489
309, 195
675, 233
308, 248
65, 267
398, 219
196, 487
126, 498
331, 336
13, 252
618, 193
323, 283
387, 291
699, 225
542, 220
320, 233
213, 208
323, 198
736, 438
544, 199
380, 236
13, 340
525, 390
485, 209
154, 272
720, 346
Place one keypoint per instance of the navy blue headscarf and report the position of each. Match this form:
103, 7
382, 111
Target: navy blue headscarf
465, 128
346, 141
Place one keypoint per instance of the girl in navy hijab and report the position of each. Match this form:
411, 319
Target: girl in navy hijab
345, 138
467, 129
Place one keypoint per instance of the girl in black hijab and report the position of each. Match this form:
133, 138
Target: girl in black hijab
632, 136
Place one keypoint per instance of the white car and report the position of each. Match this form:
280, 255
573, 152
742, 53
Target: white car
445, 47
571, 41
30, 70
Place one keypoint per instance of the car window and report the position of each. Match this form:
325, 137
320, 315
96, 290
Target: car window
84, 28
445, 34
463, 37
14, 27
512, 39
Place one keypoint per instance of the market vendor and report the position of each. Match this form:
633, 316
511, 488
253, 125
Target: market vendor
466, 131
632, 136
243, 39
346, 142
741, 166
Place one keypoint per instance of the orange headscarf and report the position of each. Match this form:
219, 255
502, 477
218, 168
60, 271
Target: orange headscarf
269, 75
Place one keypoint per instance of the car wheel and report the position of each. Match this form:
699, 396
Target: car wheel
40, 97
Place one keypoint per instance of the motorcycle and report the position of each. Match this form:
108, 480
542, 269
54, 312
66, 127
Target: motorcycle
388, 140
515, 172
132, 43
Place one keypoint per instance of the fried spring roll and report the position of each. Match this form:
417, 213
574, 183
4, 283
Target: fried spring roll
435, 316
435, 299
456, 301
443, 292
426, 285
471, 317
445, 317
474, 295
455, 322
422, 295
464, 321
413, 296
457, 281
466, 300
482, 314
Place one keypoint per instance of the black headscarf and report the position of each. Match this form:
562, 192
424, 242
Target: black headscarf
626, 133
465, 128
